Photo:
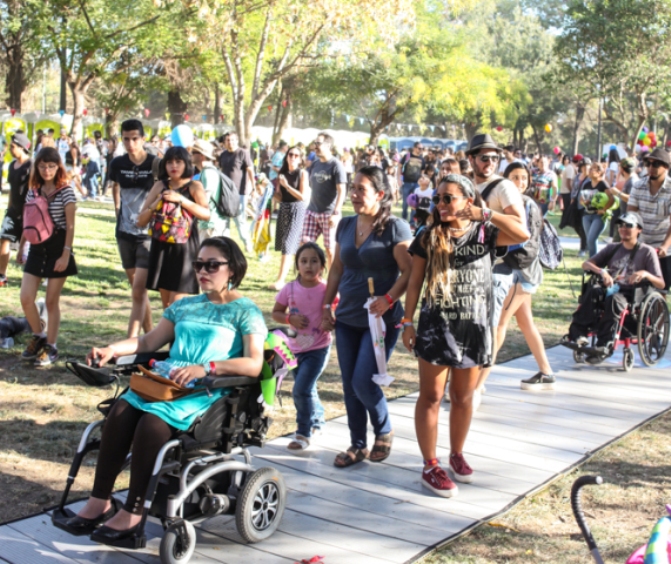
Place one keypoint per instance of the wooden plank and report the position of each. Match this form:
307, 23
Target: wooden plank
219, 549
17, 548
288, 546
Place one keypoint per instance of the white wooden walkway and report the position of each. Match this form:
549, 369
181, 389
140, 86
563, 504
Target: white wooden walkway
379, 513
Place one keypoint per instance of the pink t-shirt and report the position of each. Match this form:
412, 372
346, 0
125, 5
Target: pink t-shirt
308, 302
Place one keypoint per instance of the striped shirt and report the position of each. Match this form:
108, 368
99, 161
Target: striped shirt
57, 204
654, 210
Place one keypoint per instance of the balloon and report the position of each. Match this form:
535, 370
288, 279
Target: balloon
645, 129
13, 112
146, 111
186, 117
548, 128
499, 128
85, 112
647, 141
284, 103
556, 150
653, 144
61, 112
652, 135
270, 108
182, 136
641, 136
645, 149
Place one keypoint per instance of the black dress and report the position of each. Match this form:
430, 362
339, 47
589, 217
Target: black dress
170, 263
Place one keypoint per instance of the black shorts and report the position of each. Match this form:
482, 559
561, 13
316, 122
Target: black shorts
12, 227
42, 258
134, 254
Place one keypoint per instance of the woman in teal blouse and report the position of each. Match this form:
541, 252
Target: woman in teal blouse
216, 333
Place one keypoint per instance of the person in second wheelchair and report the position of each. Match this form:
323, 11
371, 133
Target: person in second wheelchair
625, 269
217, 333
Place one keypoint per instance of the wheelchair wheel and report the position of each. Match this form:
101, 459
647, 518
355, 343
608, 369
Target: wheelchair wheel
578, 357
628, 360
653, 329
178, 543
260, 507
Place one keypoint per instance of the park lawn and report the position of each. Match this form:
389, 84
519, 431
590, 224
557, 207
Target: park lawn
43, 411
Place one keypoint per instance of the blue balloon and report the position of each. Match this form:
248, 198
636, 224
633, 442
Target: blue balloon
182, 136
61, 112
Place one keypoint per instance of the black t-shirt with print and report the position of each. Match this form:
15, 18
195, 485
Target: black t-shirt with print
459, 333
412, 168
135, 182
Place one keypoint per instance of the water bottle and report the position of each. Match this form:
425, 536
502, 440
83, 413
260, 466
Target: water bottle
161, 367
6, 343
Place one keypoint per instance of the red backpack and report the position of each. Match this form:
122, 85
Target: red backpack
37, 223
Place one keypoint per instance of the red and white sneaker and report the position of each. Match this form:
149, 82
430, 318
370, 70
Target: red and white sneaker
437, 480
462, 471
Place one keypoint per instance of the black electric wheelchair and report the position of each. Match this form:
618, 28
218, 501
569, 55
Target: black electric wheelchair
644, 322
205, 471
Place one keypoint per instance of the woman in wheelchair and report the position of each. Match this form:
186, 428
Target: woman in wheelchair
627, 271
216, 333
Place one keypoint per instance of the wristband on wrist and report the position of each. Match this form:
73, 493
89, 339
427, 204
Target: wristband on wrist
286, 319
405, 320
210, 369
327, 306
389, 299
486, 214
67, 248
603, 272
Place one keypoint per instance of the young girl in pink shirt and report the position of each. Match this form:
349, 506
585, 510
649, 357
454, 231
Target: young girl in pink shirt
299, 304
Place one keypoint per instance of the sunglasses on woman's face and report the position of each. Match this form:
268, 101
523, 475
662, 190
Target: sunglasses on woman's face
446, 199
294, 155
210, 266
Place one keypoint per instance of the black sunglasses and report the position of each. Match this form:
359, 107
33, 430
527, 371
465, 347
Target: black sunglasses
210, 266
627, 225
295, 155
488, 158
653, 164
447, 199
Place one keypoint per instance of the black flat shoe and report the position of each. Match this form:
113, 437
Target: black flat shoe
79, 526
127, 538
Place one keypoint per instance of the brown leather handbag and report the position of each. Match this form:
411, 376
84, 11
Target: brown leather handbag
154, 387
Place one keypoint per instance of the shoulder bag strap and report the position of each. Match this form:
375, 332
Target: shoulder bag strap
488, 189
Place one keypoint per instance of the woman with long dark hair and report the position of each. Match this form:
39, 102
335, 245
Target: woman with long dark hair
53, 258
292, 186
372, 244
452, 260
170, 269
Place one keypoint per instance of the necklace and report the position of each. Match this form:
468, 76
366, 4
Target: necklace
360, 230
457, 229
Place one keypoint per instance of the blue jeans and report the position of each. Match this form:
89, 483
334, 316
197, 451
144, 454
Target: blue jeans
594, 225
363, 397
407, 189
240, 221
309, 410
544, 208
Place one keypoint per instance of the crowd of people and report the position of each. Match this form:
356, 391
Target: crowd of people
427, 233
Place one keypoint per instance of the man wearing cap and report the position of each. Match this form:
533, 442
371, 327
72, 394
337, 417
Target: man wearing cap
500, 195
17, 176
625, 268
411, 170
203, 159
651, 198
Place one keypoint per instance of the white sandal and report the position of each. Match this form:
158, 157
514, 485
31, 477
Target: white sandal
299, 443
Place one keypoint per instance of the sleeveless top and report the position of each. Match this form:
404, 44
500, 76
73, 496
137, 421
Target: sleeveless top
293, 179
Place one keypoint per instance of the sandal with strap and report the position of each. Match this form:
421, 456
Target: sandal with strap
349, 457
299, 442
382, 447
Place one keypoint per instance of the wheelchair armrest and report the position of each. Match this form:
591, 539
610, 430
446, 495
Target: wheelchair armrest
229, 381
140, 358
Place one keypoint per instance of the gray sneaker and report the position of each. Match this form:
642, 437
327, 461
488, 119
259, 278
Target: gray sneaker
539, 381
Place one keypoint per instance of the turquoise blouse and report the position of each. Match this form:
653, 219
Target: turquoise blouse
204, 332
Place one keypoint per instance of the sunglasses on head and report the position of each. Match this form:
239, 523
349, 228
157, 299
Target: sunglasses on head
488, 158
652, 164
626, 225
210, 266
446, 199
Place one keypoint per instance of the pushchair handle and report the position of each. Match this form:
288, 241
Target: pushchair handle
576, 506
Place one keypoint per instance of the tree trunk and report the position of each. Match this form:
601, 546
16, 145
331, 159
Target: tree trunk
63, 105
579, 116
78, 89
283, 120
176, 107
111, 124
217, 103
15, 80
538, 141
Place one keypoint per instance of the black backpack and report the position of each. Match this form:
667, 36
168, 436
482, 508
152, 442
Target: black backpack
229, 197
522, 256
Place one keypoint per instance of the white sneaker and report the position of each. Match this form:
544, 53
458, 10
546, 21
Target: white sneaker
42, 310
477, 399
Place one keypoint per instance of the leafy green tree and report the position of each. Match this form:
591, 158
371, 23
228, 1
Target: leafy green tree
623, 49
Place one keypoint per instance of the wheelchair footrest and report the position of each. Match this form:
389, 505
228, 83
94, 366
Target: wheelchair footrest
571, 345
59, 518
